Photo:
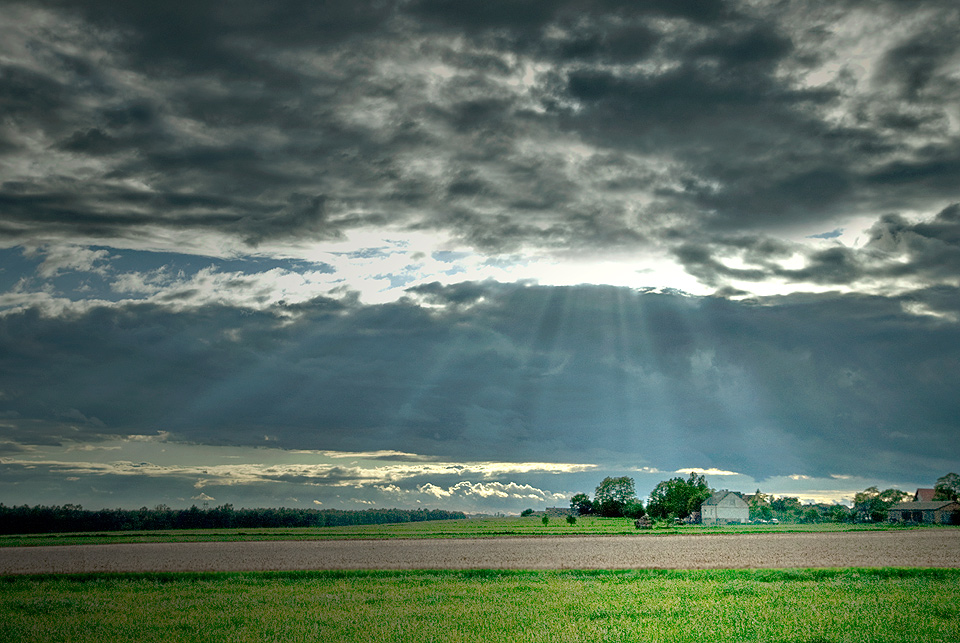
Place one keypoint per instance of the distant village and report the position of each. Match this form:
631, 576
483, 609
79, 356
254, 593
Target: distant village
731, 507
690, 501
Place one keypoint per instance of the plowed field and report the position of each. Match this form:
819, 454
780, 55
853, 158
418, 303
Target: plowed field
917, 548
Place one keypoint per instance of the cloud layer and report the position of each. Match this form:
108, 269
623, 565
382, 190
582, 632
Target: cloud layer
641, 236
500, 125
495, 372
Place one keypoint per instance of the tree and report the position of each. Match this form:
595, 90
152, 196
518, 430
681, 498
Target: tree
873, 503
526, 512
760, 506
571, 519
811, 515
839, 513
545, 520
634, 509
678, 498
613, 495
947, 487
786, 508
581, 504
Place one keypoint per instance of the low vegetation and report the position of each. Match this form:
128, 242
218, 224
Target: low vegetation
491, 527
860, 605
40, 519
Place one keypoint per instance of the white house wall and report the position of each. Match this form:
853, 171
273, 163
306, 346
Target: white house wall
730, 509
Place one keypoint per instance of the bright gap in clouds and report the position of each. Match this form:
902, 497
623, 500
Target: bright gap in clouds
380, 267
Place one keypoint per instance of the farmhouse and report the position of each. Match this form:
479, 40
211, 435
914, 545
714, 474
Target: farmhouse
724, 507
934, 512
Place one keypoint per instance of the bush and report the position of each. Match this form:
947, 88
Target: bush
571, 520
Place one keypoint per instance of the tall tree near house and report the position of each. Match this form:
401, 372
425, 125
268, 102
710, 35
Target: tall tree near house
947, 487
613, 495
874, 503
760, 506
677, 497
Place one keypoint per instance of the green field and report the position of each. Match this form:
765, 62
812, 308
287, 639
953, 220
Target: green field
470, 528
488, 606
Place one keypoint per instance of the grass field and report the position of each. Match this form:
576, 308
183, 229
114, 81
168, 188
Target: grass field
793, 606
470, 528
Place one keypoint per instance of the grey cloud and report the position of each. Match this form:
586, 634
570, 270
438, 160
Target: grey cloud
185, 37
896, 248
920, 65
9, 448
758, 46
935, 172
25, 92
93, 141
929, 249
530, 17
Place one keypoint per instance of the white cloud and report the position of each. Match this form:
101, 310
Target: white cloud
68, 258
708, 472
488, 490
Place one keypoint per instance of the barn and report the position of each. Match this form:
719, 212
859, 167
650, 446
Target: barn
935, 512
724, 507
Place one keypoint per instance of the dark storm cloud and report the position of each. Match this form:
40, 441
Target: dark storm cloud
921, 64
182, 37
531, 17
731, 120
509, 373
315, 120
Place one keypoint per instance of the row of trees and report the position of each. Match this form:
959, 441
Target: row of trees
73, 518
616, 497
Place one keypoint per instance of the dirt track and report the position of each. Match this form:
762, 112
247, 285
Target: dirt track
921, 548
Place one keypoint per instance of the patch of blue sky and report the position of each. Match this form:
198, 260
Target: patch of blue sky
14, 266
833, 234
368, 253
143, 261
449, 256
399, 280
20, 270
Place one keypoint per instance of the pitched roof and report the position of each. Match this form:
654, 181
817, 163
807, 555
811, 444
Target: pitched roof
716, 498
924, 495
924, 506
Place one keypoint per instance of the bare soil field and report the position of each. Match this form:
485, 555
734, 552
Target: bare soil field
919, 548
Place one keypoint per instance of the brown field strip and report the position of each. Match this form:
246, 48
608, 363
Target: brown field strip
915, 548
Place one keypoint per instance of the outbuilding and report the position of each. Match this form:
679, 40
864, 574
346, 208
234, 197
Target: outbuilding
724, 507
935, 512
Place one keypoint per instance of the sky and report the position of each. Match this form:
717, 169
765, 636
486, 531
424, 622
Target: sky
475, 254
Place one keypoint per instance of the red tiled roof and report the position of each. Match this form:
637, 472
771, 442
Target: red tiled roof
924, 495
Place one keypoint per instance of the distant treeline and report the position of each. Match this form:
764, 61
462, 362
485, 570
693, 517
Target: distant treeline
72, 518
